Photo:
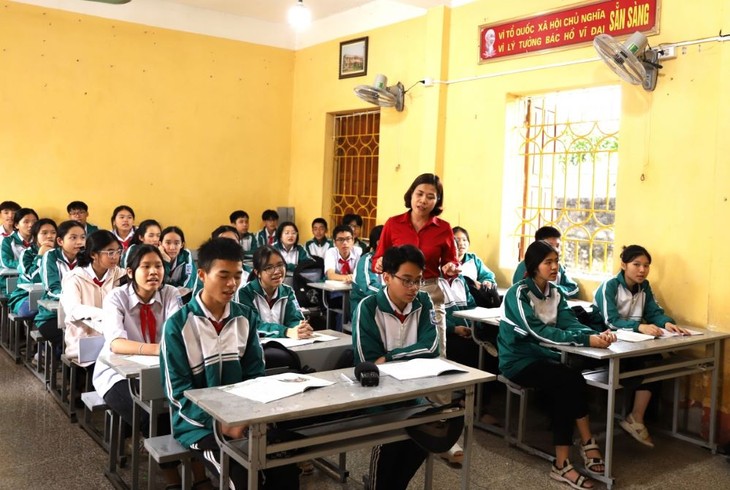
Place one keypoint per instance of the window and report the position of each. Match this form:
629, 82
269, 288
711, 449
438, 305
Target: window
355, 177
562, 154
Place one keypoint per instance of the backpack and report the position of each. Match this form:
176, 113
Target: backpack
486, 298
308, 271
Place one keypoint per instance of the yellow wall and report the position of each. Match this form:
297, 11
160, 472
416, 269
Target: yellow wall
179, 116
184, 128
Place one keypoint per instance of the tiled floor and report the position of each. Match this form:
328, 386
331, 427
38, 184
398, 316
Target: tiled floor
41, 449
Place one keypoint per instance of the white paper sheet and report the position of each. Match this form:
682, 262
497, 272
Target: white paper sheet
269, 388
417, 368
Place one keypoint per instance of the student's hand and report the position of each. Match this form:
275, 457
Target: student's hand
463, 331
347, 278
598, 341
487, 285
649, 329
673, 328
45, 247
379, 265
232, 432
450, 269
478, 285
380, 360
608, 335
165, 257
304, 330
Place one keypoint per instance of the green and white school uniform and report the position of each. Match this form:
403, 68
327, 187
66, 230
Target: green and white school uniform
11, 249
28, 273
54, 265
565, 283
249, 244
473, 268
276, 317
317, 248
181, 271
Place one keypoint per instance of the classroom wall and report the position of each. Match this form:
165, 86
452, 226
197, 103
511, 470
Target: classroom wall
184, 128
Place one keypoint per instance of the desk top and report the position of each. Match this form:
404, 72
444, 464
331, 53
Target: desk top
125, 365
587, 305
5, 272
49, 304
341, 396
479, 314
622, 349
31, 287
331, 285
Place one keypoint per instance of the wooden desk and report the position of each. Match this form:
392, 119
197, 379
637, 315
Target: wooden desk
331, 287
672, 368
340, 397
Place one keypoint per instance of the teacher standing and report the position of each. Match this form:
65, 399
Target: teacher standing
420, 226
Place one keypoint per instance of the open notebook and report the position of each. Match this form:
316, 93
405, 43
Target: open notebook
269, 388
418, 368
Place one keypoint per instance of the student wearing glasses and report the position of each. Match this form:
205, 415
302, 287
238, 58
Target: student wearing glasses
396, 324
79, 211
340, 262
84, 288
274, 301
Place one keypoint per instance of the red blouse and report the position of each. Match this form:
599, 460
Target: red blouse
435, 239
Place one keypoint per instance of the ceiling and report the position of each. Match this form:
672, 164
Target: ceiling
257, 21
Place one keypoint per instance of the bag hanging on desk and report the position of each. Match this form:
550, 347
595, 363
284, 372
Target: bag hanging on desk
486, 298
440, 435
308, 271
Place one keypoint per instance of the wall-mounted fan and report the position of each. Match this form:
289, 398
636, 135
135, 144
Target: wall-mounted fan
380, 94
633, 60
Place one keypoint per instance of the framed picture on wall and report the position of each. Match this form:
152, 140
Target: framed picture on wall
354, 58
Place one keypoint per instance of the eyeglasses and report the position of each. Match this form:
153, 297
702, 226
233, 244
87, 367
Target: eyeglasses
344, 239
112, 253
77, 212
410, 283
270, 269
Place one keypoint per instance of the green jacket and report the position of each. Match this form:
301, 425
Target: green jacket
616, 307
193, 355
53, 266
28, 273
275, 320
10, 250
377, 332
181, 272
530, 318
365, 282
456, 297
565, 283
473, 267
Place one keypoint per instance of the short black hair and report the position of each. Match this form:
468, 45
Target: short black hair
321, 221
348, 218
394, 257
223, 229
66, 226
38, 225
261, 258
633, 251
22, 213
139, 233
11, 205
535, 254
77, 205
374, 237
135, 258
119, 209
457, 229
341, 229
236, 215
173, 229
280, 231
218, 249
546, 232
433, 180
269, 214
95, 243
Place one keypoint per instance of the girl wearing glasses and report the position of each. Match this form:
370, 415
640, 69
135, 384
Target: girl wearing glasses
274, 301
83, 289
180, 270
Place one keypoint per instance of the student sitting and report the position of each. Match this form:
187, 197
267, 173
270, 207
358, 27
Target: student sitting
565, 283
123, 225
471, 265
319, 244
396, 324
20, 239
56, 263
535, 312
287, 242
627, 302
43, 239
354, 221
7, 228
239, 220
133, 316
274, 301
267, 235
83, 289
79, 211
340, 262
365, 282
148, 232
180, 270
213, 341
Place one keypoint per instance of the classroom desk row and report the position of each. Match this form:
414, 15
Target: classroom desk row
684, 360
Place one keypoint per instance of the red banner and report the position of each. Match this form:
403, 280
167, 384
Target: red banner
567, 27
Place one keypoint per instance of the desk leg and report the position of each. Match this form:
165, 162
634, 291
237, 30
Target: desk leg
326, 309
468, 434
613, 381
713, 395
257, 453
135, 441
225, 462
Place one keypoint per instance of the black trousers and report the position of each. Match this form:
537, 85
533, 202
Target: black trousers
279, 478
393, 465
50, 331
120, 400
565, 388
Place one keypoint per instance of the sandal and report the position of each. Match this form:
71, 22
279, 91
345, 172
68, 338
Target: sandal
590, 463
638, 431
558, 474
454, 456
